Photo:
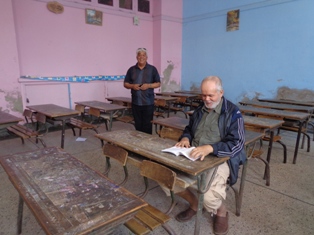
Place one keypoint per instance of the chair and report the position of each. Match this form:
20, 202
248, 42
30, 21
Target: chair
77, 122
95, 114
148, 218
178, 106
170, 133
29, 117
161, 108
27, 133
120, 155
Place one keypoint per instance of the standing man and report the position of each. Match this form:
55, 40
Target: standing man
142, 79
216, 127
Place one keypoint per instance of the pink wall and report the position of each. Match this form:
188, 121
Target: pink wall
48, 44
10, 98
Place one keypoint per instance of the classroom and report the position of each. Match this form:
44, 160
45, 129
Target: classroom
65, 71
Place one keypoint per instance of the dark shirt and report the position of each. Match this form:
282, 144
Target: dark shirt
135, 75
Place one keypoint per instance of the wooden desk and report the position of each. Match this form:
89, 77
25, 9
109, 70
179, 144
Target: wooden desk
55, 113
284, 101
7, 119
150, 147
172, 122
105, 107
300, 118
167, 100
264, 125
125, 101
280, 106
176, 94
65, 195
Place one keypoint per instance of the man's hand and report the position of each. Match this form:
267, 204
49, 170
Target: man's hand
137, 87
184, 142
201, 151
145, 86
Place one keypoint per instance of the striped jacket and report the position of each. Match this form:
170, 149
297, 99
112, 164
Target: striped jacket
231, 128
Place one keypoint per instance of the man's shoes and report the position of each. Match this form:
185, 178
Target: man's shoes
221, 225
186, 215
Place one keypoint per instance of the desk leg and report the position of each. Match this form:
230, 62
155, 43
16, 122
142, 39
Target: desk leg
203, 188
270, 147
110, 121
296, 149
20, 215
62, 134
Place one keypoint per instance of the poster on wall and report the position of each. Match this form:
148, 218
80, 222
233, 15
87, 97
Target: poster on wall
93, 17
233, 20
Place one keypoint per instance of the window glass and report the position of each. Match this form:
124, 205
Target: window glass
106, 2
143, 6
125, 4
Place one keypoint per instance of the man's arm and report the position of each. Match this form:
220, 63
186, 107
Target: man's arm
234, 140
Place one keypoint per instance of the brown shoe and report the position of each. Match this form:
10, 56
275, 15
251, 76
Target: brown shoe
186, 215
221, 225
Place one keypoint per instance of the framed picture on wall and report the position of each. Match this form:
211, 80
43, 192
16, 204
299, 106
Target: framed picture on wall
93, 17
233, 20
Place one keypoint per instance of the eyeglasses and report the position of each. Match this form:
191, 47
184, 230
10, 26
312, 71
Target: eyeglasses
141, 49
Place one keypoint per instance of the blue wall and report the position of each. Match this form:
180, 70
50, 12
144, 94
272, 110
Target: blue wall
273, 48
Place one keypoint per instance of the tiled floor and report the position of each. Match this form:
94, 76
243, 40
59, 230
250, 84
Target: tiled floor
284, 207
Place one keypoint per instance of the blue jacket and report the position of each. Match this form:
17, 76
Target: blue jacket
231, 128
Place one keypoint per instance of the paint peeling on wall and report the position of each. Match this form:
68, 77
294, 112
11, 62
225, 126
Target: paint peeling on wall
195, 87
249, 96
166, 83
295, 94
14, 101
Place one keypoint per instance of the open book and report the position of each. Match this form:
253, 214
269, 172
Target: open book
180, 151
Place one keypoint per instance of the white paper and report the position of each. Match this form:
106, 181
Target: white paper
180, 151
80, 139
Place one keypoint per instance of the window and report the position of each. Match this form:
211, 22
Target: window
143, 6
125, 4
106, 2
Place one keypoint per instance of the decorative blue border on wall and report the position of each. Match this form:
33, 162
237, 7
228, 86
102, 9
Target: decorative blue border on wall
77, 78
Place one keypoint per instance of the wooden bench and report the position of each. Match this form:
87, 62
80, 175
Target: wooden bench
26, 133
148, 218
126, 119
79, 123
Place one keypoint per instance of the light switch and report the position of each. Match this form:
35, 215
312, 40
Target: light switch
136, 20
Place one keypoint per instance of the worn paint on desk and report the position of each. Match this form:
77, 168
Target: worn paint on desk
150, 146
65, 195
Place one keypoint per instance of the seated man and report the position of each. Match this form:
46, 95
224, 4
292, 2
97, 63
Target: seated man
216, 127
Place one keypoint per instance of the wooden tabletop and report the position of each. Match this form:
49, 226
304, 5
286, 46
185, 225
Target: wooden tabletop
172, 122
65, 195
7, 119
298, 116
106, 107
120, 99
150, 146
175, 94
189, 92
166, 98
52, 110
265, 123
291, 107
252, 136
285, 101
